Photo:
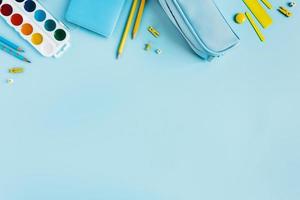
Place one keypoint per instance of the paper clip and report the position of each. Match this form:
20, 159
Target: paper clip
153, 31
285, 11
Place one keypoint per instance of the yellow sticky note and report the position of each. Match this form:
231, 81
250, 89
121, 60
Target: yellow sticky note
259, 12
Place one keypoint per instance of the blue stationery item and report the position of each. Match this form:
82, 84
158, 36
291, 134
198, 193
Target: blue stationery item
99, 16
202, 25
10, 44
13, 53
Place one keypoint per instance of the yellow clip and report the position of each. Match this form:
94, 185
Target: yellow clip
153, 31
16, 70
285, 11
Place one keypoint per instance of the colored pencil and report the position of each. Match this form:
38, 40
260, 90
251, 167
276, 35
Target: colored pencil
127, 28
13, 53
11, 44
138, 19
255, 27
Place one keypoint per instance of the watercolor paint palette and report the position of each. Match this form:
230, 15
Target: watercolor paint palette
36, 25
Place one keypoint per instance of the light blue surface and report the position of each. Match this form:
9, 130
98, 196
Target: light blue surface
154, 127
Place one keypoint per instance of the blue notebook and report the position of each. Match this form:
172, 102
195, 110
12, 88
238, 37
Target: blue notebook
99, 16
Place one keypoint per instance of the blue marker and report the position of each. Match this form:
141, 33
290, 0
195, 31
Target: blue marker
10, 44
13, 53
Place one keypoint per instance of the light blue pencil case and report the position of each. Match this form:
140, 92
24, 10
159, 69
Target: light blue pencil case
203, 26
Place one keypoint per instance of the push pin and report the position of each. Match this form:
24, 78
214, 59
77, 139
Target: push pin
147, 47
240, 18
292, 4
153, 31
10, 81
158, 51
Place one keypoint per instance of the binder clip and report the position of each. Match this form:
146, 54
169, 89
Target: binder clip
285, 11
153, 31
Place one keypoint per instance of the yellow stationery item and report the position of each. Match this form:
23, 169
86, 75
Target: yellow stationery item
16, 70
285, 11
259, 12
127, 28
138, 18
267, 4
255, 27
153, 31
240, 18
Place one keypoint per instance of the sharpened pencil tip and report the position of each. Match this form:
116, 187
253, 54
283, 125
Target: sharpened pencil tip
133, 36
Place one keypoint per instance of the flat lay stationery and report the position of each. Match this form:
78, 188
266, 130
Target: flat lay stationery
200, 22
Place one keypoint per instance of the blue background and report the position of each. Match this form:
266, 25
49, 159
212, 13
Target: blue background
148, 126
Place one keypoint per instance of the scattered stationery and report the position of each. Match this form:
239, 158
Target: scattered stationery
259, 12
37, 26
13, 53
139, 18
99, 16
255, 27
11, 44
127, 28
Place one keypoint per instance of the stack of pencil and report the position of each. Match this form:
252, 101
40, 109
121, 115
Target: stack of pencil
12, 49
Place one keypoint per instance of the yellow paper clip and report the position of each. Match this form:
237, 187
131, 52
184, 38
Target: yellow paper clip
16, 70
153, 31
285, 11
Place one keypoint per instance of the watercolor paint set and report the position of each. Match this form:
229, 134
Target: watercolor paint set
36, 25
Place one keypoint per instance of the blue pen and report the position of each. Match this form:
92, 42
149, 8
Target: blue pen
13, 53
10, 44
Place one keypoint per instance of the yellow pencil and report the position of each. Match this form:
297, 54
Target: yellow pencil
127, 28
255, 27
138, 19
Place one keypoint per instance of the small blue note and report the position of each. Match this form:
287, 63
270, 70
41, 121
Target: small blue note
99, 16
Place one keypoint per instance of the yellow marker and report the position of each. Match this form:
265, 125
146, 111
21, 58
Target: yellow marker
153, 31
285, 11
259, 12
16, 70
127, 28
255, 27
138, 19
267, 4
